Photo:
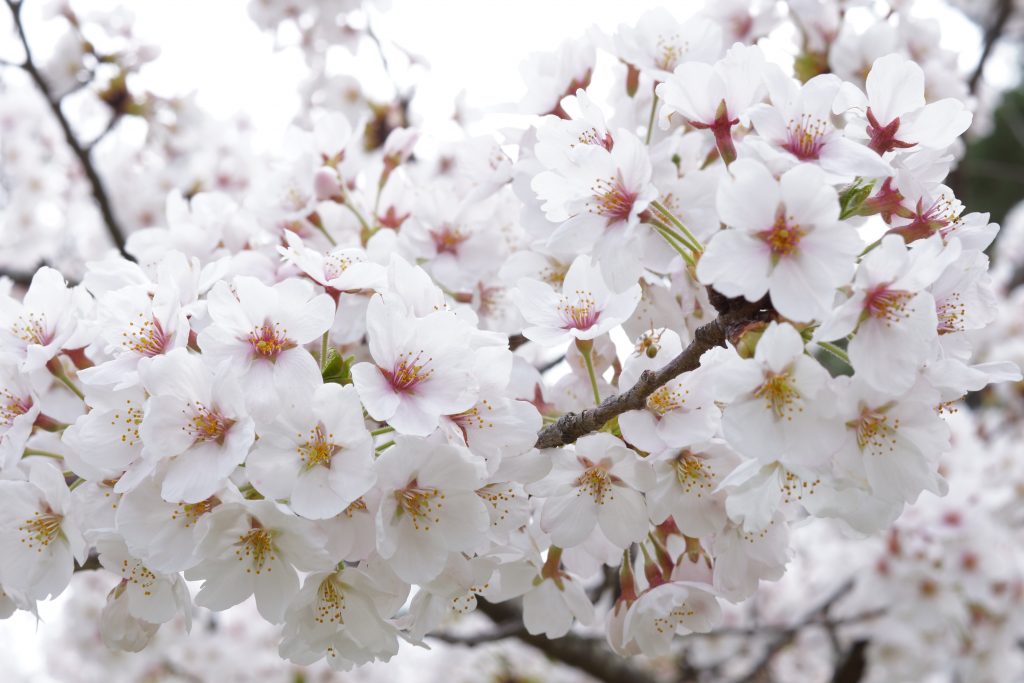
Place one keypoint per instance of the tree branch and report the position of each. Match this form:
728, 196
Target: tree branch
1003, 11
99, 192
588, 655
733, 315
760, 670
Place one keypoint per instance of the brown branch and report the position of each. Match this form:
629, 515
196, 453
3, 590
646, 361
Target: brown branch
760, 671
853, 666
733, 315
99, 192
1003, 11
511, 629
589, 655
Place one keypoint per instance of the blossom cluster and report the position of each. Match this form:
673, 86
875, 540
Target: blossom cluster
308, 394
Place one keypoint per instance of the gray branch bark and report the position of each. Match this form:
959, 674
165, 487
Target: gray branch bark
81, 153
733, 316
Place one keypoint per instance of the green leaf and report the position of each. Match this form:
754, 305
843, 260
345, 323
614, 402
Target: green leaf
338, 370
853, 196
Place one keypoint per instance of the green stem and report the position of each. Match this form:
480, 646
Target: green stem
44, 454
382, 430
870, 247
835, 351
586, 348
660, 208
384, 446
661, 225
323, 350
326, 234
650, 121
57, 370
672, 243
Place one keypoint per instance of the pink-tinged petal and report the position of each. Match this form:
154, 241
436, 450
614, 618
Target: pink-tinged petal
809, 199
694, 91
749, 200
544, 611
895, 86
273, 467
376, 393
313, 496
164, 429
226, 312
845, 158
779, 346
638, 428
309, 320
569, 519
412, 417
736, 264
623, 517
768, 122
795, 295
937, 125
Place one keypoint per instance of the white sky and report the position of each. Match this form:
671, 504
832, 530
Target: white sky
474, 45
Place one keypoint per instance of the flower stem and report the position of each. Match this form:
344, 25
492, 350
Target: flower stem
44, 454
57, 370
586, 348
660, 208
384, 446
382, 430
667, 235
323, 350
650, 121
835, 351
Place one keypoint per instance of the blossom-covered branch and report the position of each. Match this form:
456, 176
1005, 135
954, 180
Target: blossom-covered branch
571, 426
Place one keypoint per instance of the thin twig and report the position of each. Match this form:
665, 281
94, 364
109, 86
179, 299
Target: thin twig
511, 629
787, 636
1003, 11
590, 655
572, 426
99, 192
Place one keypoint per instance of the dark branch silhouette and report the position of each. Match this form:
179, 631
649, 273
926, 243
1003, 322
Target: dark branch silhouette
1001, 15
82, 153
590, 655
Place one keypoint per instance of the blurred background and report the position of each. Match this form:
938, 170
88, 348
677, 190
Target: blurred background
187, 95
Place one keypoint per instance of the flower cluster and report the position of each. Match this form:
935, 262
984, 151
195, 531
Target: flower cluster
307, 395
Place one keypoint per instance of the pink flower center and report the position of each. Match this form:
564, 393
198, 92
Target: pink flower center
422, 504
448, 239
12, 407
208, 425
145, 337
806, 136
952, 313
668, 52
779, 394
268, 341
40, 529
875, 431
592, 136
31, 329
335, 265
408, 372
783, 237
611, 199
318, 448
581, 315
883, 137
889, 305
